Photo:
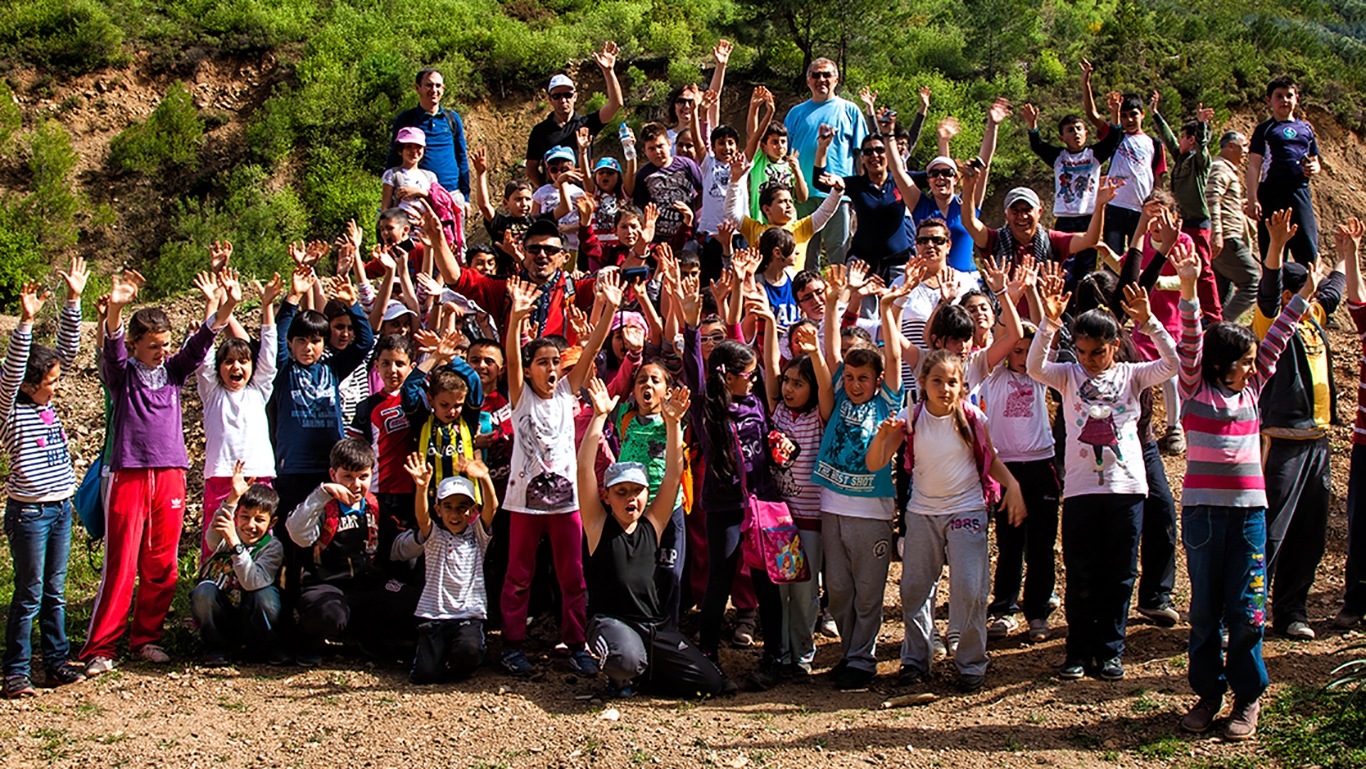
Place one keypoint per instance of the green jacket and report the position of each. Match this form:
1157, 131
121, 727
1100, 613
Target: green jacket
1189, 173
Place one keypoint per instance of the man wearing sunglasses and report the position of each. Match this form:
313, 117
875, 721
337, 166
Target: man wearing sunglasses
542, 254
444, 153
804, 123
562, 124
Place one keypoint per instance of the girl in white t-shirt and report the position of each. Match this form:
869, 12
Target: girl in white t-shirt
542, 496
954, 485
412, 144
801, 398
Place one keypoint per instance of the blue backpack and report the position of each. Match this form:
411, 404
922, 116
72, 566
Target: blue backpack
88, 501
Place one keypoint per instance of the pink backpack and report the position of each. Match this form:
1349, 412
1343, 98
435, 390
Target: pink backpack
452, 219
771, 541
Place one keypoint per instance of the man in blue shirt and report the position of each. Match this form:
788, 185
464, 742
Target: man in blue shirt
445, 155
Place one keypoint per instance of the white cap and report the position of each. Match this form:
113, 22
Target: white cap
457, 485
943, 160
396, 310
559, 81
1022, 194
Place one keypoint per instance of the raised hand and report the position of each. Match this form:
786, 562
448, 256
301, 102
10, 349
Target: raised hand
231, 284
1106, 190
1054, 300
948, 128
856, 274
1023, 275
342, 290
602, 401
354, 234
585, 206
479, 161
746, 262
1186, 262
298, 252
690, 296
722, 287
924, 99
1204, 114
950, 285
449, 346
676, 404
300, 281
993, 273
125, 288
607, 57
75, 278
891, 296
583, 139
1154, 100
419, 470
1030, 113
1086, 69
891, 427
721, 53
426, 341
578, 322
999, 110
206, 284
684, 210
270, 291
824, 135
524, 296
836, 283
1281, 228
739, 167
632, 337
725, 231
240, 484
1135, 304
804, 340
31, 298
608, 287
1347, 237
868, 97
340, 493
219, 254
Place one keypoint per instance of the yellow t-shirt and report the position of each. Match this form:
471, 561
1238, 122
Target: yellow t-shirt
1316, 352
802, 231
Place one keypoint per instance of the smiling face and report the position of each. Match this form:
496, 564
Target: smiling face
430, 90
932, 244
306, 350
484, 263
685, 147
393, 231
629, 230
412, 153
651, 387
252, 524
982, 315
355, 481
628, 501
150, 348
544, 255
235, 372
456, 512
943, 181
487, 362
861, 383
1242, 370
874, 153
725, 149
822, 78
711, 334
943, 385
394, 367
1023, 219
43, 392
1131, 120
1094, 355
742, 383
1015, 360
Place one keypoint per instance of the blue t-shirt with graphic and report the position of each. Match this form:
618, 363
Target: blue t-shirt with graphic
842, 465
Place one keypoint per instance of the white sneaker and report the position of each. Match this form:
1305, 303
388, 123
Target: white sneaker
154, 653
1002, 626
1300, 631
826, 625
939, 650
98, 666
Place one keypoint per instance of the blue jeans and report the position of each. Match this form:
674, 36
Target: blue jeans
39, 544
255, 623
1226, 559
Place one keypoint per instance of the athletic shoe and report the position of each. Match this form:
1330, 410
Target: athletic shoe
951, 644
1054, 601
1299, 631
1072, 669
214, 660
1346, 620
1002, 626
308, 659
1242, 724
154, 654
516, 664
910, 675
99, 666
583, 662
1174, 442
1162, 616
1111, 670
18, 685
277, 657
826, 625
967, 684
744, 629
1039, 630
1199, 718
65, 673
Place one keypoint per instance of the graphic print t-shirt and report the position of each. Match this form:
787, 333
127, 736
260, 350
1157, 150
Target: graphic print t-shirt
543, 476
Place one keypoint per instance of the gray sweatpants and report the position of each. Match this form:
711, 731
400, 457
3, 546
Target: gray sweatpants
801, 605
858, 552
960, 540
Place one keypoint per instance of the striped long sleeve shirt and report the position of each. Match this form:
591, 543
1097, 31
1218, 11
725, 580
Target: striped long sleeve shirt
1223, 441
33, 436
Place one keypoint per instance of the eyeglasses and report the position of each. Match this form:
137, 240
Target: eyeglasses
947, 173
744, 374
562, 95
816, 292
873, 151
716, 338
926, 240
824, 74
536, 249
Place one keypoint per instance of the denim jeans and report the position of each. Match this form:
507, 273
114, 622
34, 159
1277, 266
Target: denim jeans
1226, 559
447, 648
39, 544
255, 623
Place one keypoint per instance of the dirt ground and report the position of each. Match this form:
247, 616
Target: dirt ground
355, 711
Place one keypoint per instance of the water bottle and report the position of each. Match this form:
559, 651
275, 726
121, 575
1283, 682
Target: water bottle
628, 142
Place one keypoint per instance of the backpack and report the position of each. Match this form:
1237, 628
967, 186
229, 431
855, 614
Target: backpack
88, 500
452, 217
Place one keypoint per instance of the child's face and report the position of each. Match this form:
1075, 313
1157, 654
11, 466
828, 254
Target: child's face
446, 404
235, 373
355, 481
1015, 360
796, 390
484, 263
343, 332
556, 168
393, 231
629, 231
394, 367
1283, 102
955, 346
150, 348
487, 362
861, 383
544, 372
782, 260
689, 270
1074, 136
518, 203
685, 147
980, 310
1241, 371
618, 344
742, 384
412, 153
711, 335
782, 209
658, 151
651, 389
252, 524
1131, 120
306, 350
1186, 143
456, 512
628, 501
724, 149
943, 388
1094, 355
606, 180
775, 147
811, 300
42, 392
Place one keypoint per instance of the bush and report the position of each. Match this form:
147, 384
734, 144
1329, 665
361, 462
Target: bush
54, 202
11, 119
169, 139
71, 36
22, 257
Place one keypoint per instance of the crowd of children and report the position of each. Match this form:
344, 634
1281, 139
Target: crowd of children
597, 417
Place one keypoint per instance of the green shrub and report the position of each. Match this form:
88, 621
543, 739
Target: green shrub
71, 36
22, 257
53, 202
169, 139
336, 189
11, 119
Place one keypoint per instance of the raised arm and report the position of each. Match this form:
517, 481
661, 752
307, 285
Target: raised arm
591, 509
522, 297
607, 61
421, 473
660, 511
910, 194
890, 435
479, 164
994, 276
721, 56
609, 287
972, 179
1347, 238
1088, 97
1105, 192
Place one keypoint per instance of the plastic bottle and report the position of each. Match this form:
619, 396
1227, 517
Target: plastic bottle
628, 142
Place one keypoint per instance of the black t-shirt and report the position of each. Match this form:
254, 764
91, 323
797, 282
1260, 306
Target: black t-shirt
621, 573
547, 134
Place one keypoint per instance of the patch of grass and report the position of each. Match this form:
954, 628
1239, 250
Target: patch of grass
1013, 744
1304, 726
1145, 704
639, 756
53, 744
227, 703
1110, 756
1162, 749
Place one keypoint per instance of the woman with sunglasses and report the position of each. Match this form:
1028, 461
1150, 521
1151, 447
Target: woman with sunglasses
944, 202
880, 238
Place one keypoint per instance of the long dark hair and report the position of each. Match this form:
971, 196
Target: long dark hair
953, 359
807, 371
728, 357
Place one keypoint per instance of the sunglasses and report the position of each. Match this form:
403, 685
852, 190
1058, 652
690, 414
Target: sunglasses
559, 168
748, 375
682, 100
562, 95
925, 240
823, 75
873, 151
536, 249
814, 293
947, 173
716, 338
